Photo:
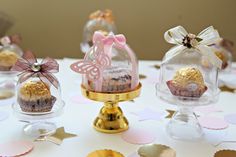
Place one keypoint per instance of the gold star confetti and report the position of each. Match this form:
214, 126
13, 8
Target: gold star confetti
105, 153
157, 66
57, 137
227, 89
225, 153
6, 94
141, 76
155, 150
170, 113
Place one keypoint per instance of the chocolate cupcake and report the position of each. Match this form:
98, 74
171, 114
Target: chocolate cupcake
7, 60
187, 82
35, 96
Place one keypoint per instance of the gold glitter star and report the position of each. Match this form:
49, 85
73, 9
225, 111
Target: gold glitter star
57, 137
227, 89
154, 150
141, 76
157, 66
170, 113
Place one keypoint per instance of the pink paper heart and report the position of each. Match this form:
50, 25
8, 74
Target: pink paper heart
213, 123
16, 148
138, 136
207, 109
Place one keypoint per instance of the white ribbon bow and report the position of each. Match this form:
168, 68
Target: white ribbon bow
183, 40
5, 41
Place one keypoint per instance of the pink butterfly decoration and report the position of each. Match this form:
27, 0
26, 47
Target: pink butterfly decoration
93, 69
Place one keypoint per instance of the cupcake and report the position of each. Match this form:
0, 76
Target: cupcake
115, 80
187, 82
7, 60
35, 96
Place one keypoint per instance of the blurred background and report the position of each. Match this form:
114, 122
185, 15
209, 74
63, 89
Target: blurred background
54, 28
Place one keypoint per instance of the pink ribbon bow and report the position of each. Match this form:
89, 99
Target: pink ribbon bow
30, 67
119, 39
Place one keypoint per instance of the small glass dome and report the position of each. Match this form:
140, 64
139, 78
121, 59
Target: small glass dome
110, 66
189, 76
189, 71
38, 90
102, 21
223, 51
35, 95
9, 53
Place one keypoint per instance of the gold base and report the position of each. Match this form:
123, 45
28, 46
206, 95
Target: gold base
111, 118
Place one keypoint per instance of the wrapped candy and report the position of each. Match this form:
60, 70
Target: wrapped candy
110, 66
37, 89
182, 73
9, 52
187, 82
102, 21
224, 50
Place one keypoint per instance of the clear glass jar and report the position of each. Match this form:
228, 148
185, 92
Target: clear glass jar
102, 21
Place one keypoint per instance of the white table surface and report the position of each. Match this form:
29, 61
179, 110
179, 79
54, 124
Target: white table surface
78, 118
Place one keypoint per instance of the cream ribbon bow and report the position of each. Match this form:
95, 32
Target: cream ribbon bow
184, 40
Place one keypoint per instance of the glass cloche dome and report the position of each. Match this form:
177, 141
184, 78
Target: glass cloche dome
38, 90
189, 71
110, 66
9, 53
102, 21
189, 78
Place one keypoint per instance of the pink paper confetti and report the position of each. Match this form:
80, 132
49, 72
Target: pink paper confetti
3, 115
231, 118
148, 114
16, 148
207, 109
213, 123
138, 136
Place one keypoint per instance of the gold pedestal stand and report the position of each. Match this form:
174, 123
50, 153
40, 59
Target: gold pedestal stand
111, 118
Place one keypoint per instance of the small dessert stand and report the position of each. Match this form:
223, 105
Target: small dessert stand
37, 121
111, 118
184, 123
186, 81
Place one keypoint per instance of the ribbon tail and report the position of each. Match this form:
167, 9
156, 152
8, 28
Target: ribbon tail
25, 76
50, 78
207, 51
173, 52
